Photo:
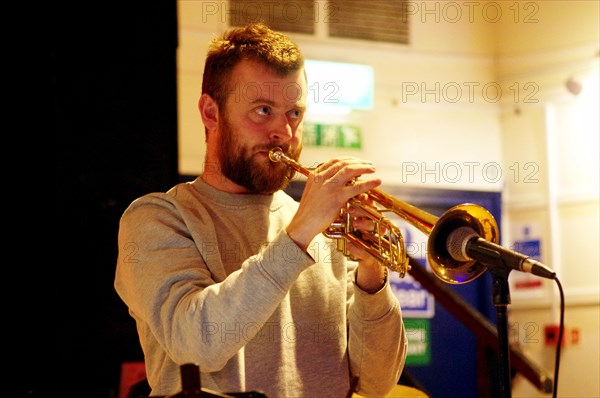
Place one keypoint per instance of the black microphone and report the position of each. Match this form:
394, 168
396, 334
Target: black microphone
464, 244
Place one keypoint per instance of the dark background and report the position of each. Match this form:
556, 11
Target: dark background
113, 90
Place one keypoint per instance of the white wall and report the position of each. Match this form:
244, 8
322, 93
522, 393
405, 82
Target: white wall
543, 140
400, 130
551, 151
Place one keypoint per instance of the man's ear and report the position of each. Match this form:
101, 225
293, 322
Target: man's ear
209, 111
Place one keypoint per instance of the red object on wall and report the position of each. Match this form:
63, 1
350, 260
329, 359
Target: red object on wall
131, 373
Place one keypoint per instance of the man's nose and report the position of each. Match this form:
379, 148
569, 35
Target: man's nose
282, 130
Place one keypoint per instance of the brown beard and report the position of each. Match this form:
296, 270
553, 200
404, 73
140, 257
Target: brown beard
239, 164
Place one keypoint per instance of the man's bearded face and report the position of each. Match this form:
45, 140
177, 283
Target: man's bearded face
242, 165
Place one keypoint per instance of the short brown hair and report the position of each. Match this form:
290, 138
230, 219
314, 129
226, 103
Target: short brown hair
255, 42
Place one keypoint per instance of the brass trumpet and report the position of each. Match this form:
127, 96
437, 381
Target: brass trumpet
386, 242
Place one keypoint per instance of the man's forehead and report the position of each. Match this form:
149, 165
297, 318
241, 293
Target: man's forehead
255, 82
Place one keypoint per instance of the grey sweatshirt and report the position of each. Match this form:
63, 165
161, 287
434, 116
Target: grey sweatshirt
212, 278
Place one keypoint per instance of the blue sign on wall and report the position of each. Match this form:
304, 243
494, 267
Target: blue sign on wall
415, 300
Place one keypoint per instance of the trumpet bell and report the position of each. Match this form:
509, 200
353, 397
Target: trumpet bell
441, 262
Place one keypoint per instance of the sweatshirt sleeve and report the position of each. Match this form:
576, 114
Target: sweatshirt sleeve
169, 290
377, 340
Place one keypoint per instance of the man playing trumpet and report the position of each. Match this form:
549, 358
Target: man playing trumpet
230, 273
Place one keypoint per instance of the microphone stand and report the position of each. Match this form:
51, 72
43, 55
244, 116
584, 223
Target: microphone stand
501, 300
464, 243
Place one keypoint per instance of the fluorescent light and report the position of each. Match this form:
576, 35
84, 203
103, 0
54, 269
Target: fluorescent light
339, 85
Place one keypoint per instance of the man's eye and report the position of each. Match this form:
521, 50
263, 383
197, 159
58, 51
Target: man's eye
295, 113
263, 110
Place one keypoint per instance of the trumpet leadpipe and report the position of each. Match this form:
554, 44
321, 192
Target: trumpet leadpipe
276, 155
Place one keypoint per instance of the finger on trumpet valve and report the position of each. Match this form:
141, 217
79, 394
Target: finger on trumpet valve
363, 223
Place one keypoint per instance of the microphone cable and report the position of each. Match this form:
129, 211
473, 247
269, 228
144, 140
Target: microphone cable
561, 330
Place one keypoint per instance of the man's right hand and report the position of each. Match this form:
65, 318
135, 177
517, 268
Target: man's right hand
328, 188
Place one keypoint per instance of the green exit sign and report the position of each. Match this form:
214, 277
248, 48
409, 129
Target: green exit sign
332, 135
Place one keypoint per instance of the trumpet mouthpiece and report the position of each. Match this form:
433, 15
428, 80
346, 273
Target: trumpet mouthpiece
275, 154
